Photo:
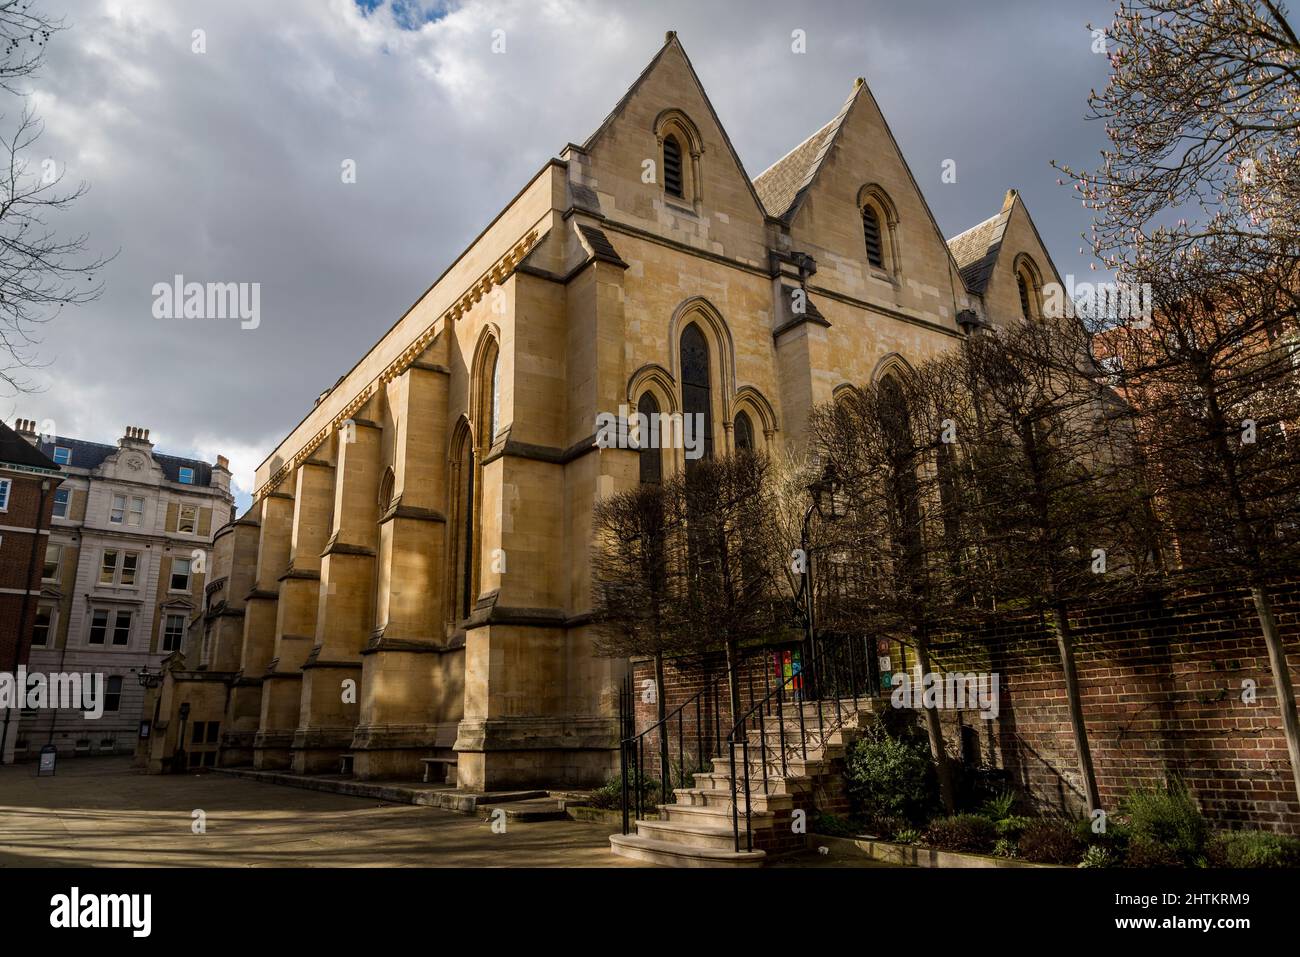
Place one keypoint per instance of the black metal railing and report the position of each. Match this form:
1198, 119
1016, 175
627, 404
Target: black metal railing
837, 670
704, 707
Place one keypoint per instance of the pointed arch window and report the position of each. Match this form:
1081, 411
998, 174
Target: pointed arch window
673, 181
697, 408
467, 530
1022, 283
1028, 286
871, 235
744, 432
649, 461
494, 398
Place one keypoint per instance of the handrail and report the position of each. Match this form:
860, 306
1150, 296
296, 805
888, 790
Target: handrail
811, 672
635, 744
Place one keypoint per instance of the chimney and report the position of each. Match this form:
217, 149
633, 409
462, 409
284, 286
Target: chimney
27, 429
223, 463
135, 436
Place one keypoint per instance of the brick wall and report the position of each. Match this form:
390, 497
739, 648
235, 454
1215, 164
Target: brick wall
17, 571
1161, 682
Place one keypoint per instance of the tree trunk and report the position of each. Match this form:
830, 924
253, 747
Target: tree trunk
733, 681
934, 730
1281, 679
1065, 649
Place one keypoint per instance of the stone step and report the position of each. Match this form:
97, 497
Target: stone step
530, 809
793, 750
714, 815
776, 784
793, 767
690, 833
721, 798
671, 854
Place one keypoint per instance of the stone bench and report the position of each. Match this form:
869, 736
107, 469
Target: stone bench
447, 764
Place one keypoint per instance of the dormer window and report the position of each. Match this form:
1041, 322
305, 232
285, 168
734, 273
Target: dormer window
62, 456
871, 233
673, 167
186, 476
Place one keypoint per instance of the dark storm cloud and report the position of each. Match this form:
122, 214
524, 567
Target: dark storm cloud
224, 166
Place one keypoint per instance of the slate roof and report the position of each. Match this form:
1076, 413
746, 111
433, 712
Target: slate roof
16, 450
779, 184
976, 250
783, 185
90, 455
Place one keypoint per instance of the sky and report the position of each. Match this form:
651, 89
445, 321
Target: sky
214, 135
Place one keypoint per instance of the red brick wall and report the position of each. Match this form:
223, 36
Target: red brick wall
15, 562
1161, 683
1161, 686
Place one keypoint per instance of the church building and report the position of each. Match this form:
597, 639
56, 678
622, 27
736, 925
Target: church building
412, 579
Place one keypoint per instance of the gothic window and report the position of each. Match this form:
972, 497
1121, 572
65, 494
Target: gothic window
673, 182
386, 491
744, 433
871, 233
696, 388
495, 399
649, 459
1027, 287
467, 529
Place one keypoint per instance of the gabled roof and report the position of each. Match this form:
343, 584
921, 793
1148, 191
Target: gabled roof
16, 450
783, 185
671, 42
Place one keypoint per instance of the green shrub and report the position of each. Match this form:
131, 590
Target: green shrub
1169, 817
890, 777
1144, 852
832, 825
907, 835
1252, 849
1004, 847
1099, 855
610, 794
999, 807
1050, 841
963, 832
1012, 827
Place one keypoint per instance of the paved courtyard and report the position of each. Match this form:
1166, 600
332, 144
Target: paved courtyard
101, 812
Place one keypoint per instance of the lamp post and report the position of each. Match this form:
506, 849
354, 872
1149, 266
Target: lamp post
822, 491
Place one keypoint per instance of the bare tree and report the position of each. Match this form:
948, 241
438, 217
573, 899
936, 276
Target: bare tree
636, 572
41, 271
732, 548
1055, 487
1199, 195
1214, 380
879, 443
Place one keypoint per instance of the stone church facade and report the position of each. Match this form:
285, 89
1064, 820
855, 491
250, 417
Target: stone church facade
412, 578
